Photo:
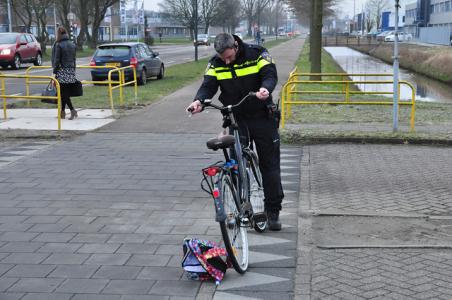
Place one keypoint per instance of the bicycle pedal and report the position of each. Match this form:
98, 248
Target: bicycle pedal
260, 217
245, 222
231, 223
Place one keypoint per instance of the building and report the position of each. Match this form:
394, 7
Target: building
430, 20
388, 20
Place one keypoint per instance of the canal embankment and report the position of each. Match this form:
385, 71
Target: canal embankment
432, 61
331, 123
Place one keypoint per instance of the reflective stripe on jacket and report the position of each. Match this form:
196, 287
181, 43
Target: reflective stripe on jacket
252, 69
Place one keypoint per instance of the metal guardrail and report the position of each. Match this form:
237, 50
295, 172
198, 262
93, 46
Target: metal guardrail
39, 97
111, 83
293, 87
122, 83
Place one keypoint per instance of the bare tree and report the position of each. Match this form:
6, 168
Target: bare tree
314, 11
209, 9
99, 11
83, 11
63, 7
248, 11
228, 15
375, 8
40, 8
181, 11
91, 13
261, 5
276, 15
23, 9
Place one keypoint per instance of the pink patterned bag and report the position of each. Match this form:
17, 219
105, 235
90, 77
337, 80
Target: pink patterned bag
203, 260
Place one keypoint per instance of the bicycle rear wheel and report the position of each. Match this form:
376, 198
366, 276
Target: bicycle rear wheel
234, 233
256, 192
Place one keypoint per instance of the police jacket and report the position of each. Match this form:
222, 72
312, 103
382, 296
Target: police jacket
63, 53
252, 69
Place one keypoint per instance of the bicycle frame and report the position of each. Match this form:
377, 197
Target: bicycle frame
236, 154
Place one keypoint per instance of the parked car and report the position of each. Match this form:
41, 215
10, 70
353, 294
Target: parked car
147, 63
202, 39
402, 37
381, 36
17, 48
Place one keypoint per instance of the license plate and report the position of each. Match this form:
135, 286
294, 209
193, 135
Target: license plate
113, 64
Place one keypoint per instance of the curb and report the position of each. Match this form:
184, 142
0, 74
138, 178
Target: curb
297, 140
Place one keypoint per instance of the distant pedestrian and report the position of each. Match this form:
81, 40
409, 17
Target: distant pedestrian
160, 36
258, 37
63, 64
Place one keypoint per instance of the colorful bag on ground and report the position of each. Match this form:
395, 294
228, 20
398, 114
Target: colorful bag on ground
203, 260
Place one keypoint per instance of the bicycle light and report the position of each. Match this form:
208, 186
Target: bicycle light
216, 193
211, 171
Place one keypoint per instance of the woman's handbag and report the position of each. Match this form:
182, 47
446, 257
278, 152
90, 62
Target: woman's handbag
50, 90
77, 89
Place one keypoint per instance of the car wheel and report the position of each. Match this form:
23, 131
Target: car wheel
142, 79
16, 63
161, 73
38, 60
4, 66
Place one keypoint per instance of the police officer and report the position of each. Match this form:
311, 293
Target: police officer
237, 69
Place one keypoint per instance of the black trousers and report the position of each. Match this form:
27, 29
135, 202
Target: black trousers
264, 133
66, 101
66, 92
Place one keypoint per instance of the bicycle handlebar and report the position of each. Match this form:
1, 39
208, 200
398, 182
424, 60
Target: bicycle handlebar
208, 103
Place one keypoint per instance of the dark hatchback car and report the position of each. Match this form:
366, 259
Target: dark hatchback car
146, 62
18, 48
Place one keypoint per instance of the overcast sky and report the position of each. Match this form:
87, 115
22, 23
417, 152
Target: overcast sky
151, 4
346, 6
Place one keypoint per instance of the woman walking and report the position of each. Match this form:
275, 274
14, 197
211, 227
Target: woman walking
63, 63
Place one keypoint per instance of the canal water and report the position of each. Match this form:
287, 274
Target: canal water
352, 61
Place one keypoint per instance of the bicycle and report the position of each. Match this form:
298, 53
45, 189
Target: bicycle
236, 187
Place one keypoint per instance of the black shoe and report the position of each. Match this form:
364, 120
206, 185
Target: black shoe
274, 223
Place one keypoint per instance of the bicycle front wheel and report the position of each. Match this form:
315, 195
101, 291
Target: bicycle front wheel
233, 231
256, 192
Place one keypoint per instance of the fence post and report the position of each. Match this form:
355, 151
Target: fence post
347, 92
4, 99
121, 82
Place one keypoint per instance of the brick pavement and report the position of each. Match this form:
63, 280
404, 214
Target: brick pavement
103, 216
375, 222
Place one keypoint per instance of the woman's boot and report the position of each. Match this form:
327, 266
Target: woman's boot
73, 114
62, 114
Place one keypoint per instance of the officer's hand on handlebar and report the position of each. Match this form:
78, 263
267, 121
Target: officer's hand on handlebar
262, 94
195, 107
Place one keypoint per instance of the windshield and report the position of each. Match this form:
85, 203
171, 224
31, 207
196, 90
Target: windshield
7, 38
202, 36
113, 51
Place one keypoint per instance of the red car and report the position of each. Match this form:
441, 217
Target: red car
18, 48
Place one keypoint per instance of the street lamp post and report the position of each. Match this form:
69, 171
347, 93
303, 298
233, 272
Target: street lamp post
395, 106
10, 23
195, 13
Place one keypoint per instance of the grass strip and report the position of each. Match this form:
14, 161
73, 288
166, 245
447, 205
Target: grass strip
434, 116
176, 77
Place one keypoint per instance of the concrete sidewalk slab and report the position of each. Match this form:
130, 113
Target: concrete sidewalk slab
45, 119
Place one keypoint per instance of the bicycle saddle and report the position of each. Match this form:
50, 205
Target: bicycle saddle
221, 142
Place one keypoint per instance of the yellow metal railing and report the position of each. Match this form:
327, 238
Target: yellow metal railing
28, 97
122, 83
292, 88
109, 82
